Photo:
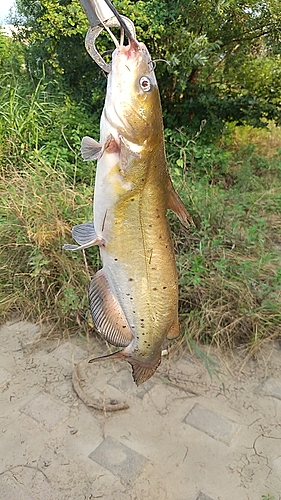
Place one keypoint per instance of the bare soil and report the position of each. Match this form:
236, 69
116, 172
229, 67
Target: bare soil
74, 431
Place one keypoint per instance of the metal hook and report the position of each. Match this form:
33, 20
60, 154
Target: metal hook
100, 17
92, 35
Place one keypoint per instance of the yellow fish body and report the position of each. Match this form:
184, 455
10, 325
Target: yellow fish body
134, 297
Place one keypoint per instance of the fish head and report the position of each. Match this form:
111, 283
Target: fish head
132, 105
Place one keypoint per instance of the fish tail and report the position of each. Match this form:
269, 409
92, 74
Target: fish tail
141, 371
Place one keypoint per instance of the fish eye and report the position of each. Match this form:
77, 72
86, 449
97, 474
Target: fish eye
145, 83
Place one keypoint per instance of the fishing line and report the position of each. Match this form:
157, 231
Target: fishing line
107, 53
112, 35
120, 20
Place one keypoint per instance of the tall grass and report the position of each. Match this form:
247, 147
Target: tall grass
45, 189
229, 264
38, 279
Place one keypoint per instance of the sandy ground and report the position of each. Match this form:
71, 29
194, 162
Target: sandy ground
179, 436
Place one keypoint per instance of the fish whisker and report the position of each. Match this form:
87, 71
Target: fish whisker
154, 61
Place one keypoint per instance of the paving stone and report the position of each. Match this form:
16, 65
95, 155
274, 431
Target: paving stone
219, 428
70, 352
4, 376
123, 381
271, 387
46, 411
201, 496
119, 459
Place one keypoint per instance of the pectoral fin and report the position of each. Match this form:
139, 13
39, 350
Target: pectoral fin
90, 149
108, 316
176, 205
85, 235
93, 150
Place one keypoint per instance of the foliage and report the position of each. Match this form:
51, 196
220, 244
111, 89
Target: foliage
224, 56
40, 123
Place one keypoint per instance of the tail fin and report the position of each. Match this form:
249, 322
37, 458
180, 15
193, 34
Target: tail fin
141, 371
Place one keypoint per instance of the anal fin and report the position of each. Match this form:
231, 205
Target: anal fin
108, 316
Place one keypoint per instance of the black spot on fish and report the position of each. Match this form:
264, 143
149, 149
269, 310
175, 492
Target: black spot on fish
164, 287
154, 289
131, 279
115, 260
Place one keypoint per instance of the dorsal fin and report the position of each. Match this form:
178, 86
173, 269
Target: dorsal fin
176, 205
108, 316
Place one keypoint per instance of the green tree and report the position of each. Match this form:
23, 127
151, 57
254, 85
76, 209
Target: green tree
224, 55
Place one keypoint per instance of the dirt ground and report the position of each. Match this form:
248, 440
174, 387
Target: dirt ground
180, 436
